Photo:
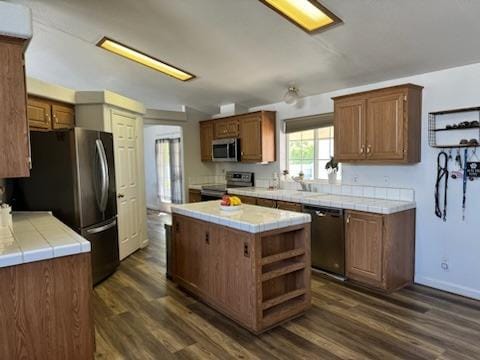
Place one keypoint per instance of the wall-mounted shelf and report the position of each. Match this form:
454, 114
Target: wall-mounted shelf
459, 128
437, 124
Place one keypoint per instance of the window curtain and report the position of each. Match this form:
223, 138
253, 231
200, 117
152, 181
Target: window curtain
169, 170
308, 123
176, 178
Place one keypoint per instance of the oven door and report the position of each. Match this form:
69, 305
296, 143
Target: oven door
226, 150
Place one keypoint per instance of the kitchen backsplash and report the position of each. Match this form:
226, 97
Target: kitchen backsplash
377, 192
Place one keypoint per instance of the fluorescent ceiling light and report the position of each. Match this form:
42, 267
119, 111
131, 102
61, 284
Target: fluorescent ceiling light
144, 59
310, 15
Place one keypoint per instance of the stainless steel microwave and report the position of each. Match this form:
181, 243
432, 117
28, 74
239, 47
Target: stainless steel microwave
226, 150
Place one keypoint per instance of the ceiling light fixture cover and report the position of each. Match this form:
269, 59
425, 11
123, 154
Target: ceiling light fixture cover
291, 96
309, 15
144, 59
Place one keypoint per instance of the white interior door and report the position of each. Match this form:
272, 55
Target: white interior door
126, 170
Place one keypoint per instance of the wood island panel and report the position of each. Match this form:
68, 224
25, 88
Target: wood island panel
45, 309
258, 280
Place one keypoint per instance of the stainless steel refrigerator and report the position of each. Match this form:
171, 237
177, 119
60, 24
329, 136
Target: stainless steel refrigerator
73, 175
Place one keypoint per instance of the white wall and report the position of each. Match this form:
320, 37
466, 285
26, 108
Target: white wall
189, 122
455, 240
151, 134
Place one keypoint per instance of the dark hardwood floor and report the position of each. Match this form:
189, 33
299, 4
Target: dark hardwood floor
139, 314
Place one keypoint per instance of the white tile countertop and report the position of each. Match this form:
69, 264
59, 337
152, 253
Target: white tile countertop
38, 236
348, 202
249, 218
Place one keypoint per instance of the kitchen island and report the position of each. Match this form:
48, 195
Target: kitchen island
45, 290
252, 265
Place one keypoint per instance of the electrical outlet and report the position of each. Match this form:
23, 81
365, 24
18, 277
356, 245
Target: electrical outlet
444, 264
355, 179
386, 180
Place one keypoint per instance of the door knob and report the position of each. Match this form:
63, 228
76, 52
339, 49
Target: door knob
120, 196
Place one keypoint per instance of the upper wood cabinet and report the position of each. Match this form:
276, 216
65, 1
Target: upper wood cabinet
39, 114
226, 128
63, 116
14, 134
206, 138
379, 249
349, 130
257, 137
380, 126
45, 115
256, 132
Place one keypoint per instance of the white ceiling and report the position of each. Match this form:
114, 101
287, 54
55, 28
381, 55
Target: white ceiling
243, 52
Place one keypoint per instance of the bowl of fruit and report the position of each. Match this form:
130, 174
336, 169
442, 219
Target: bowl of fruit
230, 203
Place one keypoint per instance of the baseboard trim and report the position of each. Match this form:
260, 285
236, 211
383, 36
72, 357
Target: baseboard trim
144, 244
447, 286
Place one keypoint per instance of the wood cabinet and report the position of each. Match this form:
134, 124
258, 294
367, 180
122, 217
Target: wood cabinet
247, 199
266, 203
257, 137
63, 116
379, 249
194, 196
226, 128
380, 126
39, 114
206, 138
256, 132
258, 280
46, 309
45, 115
14, 133
278, 204
290, 206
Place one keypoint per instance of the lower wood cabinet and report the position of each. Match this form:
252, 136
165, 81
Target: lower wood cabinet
46, 309
290, 206
380, 248
194, 196
257, 280
247, 199
46, 115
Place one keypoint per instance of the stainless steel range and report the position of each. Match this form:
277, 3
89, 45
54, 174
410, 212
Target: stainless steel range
234, 179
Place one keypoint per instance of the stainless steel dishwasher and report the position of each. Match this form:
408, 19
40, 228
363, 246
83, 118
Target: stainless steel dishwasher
328, 239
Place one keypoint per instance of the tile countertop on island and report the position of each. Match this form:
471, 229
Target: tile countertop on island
249, 218
38, 236
348, 202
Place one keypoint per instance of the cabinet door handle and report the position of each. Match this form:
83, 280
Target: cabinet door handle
246, 250
207, 237
369, 149
348, 219
362, 149
177, 227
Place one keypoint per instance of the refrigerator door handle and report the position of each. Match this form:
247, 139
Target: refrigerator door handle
105, 177
102, 228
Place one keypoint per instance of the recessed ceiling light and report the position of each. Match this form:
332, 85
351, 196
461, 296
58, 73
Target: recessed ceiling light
144, 59
309, 15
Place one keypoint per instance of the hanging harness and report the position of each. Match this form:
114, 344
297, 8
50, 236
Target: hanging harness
442, 173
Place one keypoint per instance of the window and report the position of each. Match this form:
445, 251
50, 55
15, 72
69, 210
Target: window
309, 151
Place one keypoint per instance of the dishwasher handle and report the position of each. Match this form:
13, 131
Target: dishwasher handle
324, 212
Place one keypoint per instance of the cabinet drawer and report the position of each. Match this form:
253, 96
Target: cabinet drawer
267, 203
248, 200
285, 205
